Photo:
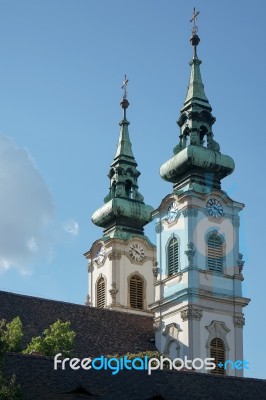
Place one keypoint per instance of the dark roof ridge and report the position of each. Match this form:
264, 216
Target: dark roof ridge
40, 298
149, 315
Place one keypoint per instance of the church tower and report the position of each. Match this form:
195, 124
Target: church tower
198, 293
121, 262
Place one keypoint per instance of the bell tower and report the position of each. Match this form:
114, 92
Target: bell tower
198, 293
121, 262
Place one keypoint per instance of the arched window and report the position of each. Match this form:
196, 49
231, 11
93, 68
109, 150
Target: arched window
173, 256
136, 292
101, 293
217, 352
113, 188
128, 188
215, 253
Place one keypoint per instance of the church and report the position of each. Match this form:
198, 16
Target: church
181, 296
190, 282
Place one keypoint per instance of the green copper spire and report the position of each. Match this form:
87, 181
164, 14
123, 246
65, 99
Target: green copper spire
196, 88
124, 147
124, 212
197, 163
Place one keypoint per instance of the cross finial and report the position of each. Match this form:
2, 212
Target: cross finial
124, 87
194, 19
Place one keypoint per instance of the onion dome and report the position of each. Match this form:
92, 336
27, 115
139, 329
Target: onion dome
197, 162
124, 212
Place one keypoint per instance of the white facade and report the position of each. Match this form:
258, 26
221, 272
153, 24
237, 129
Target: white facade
197, 304
116, 261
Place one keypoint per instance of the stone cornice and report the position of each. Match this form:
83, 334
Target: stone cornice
188, 294
202, 271
177, 311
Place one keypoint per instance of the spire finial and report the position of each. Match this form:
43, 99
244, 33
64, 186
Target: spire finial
194, 19
124, 87
194, 40
124, 103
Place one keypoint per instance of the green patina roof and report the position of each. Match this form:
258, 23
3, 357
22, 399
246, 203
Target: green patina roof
195, 88
124, 147
124, 212
197, 153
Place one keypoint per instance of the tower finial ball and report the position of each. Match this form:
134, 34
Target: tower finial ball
124, 104
194, 40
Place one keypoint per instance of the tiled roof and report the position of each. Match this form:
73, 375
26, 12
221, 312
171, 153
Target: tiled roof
99, 331
40, 381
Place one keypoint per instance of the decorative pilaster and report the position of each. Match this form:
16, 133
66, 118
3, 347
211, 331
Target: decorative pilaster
157, 324
114, 255
190, 212
236, 221
158, 227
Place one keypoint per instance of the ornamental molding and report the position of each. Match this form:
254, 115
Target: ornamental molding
158, 227
114, 255
190, 253
113, 292
157, 325
240, 262
171, 331
190, 313
239, 322
190, 212
218, 329
155, 269
99, 264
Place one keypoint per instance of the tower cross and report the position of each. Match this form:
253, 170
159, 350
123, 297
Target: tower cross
194, 19
124, 87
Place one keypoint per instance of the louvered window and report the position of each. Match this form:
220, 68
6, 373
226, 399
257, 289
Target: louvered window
173, 256
217, 352
136, 292
101, 293
215, 253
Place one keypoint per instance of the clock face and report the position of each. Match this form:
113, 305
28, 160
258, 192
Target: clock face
100, 255
136, 252
214, 208
172, 212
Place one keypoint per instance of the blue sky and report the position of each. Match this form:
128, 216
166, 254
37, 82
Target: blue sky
61, 67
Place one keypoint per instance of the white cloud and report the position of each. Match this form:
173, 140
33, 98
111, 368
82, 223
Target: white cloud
26, 207
72, 227
32, 244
